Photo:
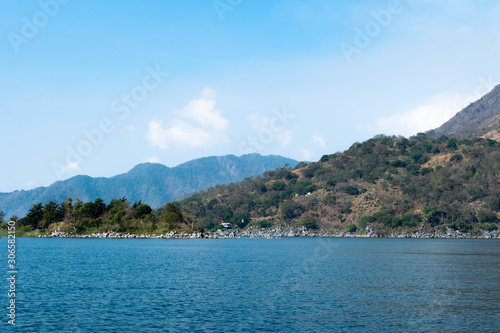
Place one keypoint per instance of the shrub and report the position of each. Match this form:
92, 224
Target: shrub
278, 186
488, 226
364, 221
485, 216
304, 187
425, 171
346, 209
452, 143
456, 158
351, 190
312, 169
291, 210
352, 228
410, 221
263, 224
95, 223
325, 158
308, 223
398, 164
24, 228
493, 202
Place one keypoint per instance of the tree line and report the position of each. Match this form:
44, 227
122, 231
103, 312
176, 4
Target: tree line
389, 182
119, 215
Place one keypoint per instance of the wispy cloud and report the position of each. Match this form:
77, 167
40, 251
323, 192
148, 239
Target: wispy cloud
319, 140
198, 125
423, 118
154, 159
284, 137
307, 154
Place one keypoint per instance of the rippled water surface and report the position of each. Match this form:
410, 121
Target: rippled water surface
256, 285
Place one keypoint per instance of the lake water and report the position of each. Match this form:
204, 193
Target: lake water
256, 285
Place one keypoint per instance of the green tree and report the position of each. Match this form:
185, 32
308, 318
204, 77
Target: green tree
434, 215
51, 213
351, 190
486, 216
452, 143
2, 216
94, 209
71, 210
172, 215
291, 210
35, 215
304, 187
118, 204
488, 226
142, 210
309, 223
119, 216
279, 186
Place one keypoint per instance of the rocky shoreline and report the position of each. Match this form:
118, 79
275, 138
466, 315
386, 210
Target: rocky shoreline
281, 232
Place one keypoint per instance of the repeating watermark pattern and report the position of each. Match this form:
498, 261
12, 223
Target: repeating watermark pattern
486, 84
265, 136
223, 6
31, 26
372, 29
12, 272
120, 108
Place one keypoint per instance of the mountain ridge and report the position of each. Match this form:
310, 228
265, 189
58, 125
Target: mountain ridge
479, 119
385, 184
153, 183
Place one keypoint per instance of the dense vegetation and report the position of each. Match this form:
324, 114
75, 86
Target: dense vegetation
153, 183
391, 183
119, 215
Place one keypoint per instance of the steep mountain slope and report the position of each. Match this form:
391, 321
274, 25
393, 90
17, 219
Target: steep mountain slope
479, 119
391, 183
154, 184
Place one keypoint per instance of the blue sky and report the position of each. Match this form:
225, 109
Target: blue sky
96, 87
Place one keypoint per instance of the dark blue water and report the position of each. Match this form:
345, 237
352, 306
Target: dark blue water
256, 285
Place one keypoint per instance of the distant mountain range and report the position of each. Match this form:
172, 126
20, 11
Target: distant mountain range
480, 119
154, 184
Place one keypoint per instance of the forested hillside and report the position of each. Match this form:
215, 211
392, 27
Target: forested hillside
152, 183
388, 182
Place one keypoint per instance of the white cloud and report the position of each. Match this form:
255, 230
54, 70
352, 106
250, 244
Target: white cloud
130, 128
258, 122
153, 159
73, 166
203, 112
180, 134
424, 118
307, 154
285, 137
206, 128
208, 92
319, 140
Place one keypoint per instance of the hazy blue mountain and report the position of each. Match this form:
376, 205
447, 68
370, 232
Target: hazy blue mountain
154, 184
